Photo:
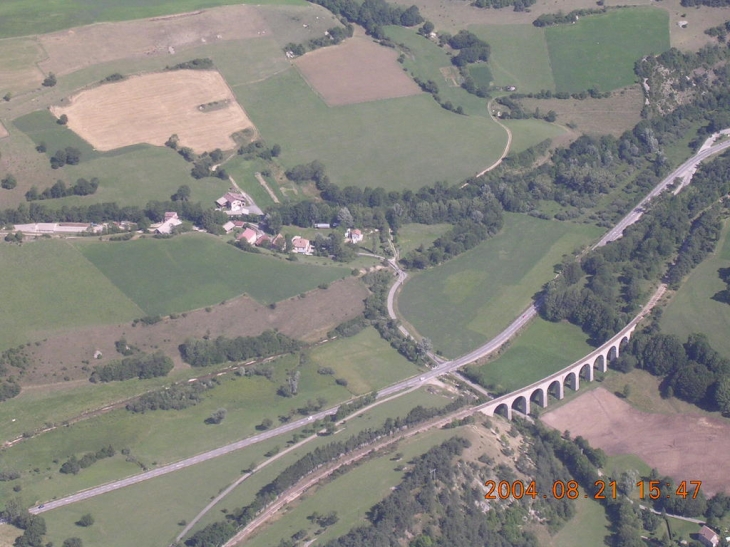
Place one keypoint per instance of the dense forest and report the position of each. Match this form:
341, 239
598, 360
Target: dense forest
602, 291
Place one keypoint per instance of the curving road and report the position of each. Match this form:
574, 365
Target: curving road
684, 171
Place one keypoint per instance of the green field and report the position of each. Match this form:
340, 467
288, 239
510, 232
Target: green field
589, 526
196, 270
242, 172
128, 176
527, 133
184, 493
372, 419
481, 75
693, 310
519, 56
21, 17
427, 61
41, 127
365, 360
50, 285
480, 292
539, 351
162, 437
599, 51
413, 235
394, 143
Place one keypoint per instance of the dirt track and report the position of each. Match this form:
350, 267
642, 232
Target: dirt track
683, 446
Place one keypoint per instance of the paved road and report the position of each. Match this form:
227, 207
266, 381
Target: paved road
684, 172
441, 369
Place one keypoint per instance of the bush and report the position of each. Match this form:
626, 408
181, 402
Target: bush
9, 182
85, 520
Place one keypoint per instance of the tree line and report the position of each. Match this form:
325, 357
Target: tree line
82, 187
518, 5
332, 37
373, 14
560, 18
142, 366
74, 465
175, 397
202, 352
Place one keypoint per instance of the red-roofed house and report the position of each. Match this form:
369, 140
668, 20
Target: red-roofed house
301, 245
355, 236
249, 235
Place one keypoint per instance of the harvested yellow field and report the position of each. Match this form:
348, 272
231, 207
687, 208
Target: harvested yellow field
151, 108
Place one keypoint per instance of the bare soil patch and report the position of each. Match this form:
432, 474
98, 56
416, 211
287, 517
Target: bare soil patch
73, 49
683, 446
614, 115
150, 108
3, 131
18, 70
356, 71
64, 355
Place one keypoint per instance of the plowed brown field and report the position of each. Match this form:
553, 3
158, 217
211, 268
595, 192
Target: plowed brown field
150, 108
686, 447
356, 71
71, 50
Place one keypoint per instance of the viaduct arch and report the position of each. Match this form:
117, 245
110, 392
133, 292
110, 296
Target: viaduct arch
572, 375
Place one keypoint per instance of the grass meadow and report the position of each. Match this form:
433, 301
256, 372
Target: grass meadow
22, 17
599, 51
542, 349
128, 176
196, 270
153, 509
365, 360
693, 309
519, 56
372, 419
394, 143
162, 437
243, 172
427, 61
50, 285
589, 526
413, 235
480, 292
527, 133
41, 127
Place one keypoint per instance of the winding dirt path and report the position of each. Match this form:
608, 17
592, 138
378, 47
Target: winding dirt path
506, 147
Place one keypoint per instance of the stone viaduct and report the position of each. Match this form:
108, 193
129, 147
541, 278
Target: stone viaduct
571, 375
